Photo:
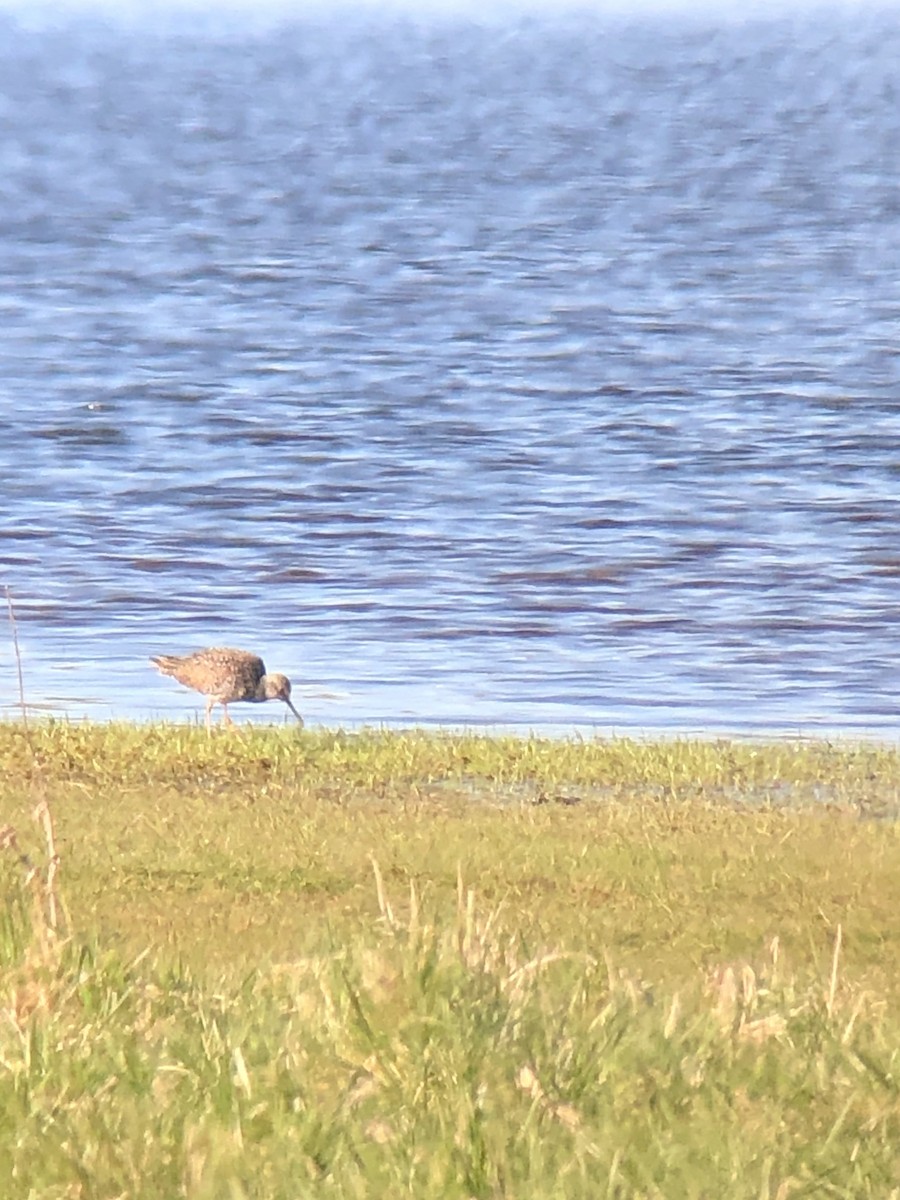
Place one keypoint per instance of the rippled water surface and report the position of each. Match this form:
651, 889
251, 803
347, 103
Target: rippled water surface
537, 372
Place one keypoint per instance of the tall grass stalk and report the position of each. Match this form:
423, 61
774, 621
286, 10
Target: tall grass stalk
18, 656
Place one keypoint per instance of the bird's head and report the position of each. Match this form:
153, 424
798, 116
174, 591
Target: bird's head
278, 687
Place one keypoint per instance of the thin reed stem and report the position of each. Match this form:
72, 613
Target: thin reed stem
18, 654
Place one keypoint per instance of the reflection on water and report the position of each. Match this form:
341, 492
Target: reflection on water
573, 404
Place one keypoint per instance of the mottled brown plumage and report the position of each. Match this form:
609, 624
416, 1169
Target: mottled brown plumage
225, 676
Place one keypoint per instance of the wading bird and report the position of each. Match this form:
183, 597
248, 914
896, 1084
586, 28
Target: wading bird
225, 676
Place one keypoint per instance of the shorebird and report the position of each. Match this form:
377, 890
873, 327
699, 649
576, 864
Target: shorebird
223, 676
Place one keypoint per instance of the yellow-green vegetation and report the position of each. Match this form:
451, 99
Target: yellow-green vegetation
292, 964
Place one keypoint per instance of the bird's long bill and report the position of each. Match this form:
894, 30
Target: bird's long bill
293, 710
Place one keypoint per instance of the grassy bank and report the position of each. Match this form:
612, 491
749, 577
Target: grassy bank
435, 965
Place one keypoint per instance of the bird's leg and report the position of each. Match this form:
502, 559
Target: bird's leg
209, 707
228, 723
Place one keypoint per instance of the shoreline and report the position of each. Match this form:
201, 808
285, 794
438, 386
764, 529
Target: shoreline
864, 733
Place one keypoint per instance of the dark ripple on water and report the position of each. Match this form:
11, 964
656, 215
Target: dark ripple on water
573, 405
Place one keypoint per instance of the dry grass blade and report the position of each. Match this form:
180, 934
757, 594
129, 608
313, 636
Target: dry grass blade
384, 905
835, 962
43, 817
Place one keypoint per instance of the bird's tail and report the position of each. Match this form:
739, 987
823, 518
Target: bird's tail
165, 662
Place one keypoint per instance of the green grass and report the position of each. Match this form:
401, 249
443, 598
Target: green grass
406, 964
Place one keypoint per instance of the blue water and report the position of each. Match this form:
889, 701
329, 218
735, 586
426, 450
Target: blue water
528, 371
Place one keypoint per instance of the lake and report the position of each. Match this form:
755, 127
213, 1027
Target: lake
528, 371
